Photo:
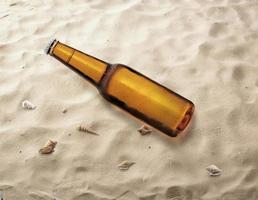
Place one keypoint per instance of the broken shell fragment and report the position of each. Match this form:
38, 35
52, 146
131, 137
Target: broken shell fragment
125, 165
28, 105
213, 170
144, 130
48, 148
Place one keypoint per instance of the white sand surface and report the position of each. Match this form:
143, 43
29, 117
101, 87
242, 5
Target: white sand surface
206, 51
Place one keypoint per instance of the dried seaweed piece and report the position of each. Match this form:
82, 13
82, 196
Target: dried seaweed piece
28, 105
48, 148
213, 170
144, 130
125, 165
84, 129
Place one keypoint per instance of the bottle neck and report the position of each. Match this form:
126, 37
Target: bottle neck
88, 66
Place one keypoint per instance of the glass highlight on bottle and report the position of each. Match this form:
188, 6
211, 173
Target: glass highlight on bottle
128, 89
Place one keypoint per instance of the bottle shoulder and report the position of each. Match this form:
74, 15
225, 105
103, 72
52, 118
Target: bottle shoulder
110, 71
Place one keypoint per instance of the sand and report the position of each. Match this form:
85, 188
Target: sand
206, 51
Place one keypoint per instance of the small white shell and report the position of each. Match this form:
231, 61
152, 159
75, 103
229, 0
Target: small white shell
125, 165
144, 130
28, 105
213, 170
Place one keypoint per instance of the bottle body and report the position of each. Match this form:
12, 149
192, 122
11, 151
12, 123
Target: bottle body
146, 99
131, 91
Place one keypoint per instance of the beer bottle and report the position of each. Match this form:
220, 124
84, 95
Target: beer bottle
128, 89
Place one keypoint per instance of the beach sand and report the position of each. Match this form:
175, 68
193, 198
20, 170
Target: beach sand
207, 51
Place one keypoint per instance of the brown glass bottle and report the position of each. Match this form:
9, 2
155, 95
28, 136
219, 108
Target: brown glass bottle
128, 89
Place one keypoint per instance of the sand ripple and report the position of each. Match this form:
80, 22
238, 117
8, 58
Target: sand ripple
205, 50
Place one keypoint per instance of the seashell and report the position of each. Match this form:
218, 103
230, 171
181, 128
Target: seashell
84, 129
48, 148
213, 170
28, 105
144, 130
125, 165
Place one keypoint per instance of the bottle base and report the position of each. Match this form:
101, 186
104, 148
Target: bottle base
186, 119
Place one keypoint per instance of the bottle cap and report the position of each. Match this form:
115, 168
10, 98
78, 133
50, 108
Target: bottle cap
48, 49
